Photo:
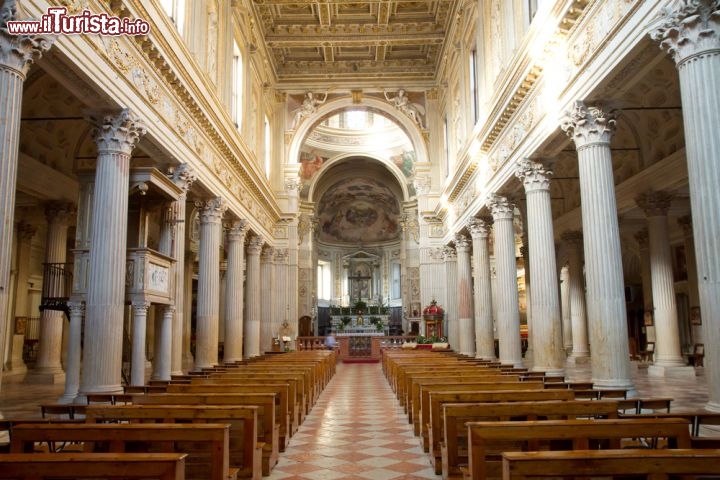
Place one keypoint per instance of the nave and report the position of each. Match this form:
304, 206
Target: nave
357, 429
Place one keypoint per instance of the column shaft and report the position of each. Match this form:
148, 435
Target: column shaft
577, 296
451, 327
484, 335
565, 309
466, 324
234, 291
252, 292
267, 280
208, 296
508, 313
139, 328
163, 343
74, 353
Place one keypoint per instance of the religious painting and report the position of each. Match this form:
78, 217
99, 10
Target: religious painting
310, 164
695, 318
405, 162
359, 210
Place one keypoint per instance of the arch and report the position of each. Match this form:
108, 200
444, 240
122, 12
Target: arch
324, 110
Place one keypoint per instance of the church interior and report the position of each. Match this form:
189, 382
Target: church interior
527, 183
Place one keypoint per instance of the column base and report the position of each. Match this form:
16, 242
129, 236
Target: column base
15, 370
67, 399
668, 371
550, 372
45, 378
579, 360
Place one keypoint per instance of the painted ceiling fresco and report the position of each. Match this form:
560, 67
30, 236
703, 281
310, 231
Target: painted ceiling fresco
358, 210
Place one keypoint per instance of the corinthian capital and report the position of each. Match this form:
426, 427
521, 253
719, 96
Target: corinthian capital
587, 125
500, 207
19, 51
479, 227
690, 28
236, 231
60, 212
255, 245
449, 253
534, 175
654, 203
117, 133
183, 176
211, 211
462, 243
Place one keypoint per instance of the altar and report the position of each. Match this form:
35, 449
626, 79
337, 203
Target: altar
360, 324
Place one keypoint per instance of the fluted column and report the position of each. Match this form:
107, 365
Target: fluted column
208, 295
139, 329
690, 33
667, 333
466, 322
484, 334
252, 294
74, 352
17, 53
546, 322
116, 137
163, 343
565, 308
267, 282
691, 265
451, 297
183, 176
48, 368
187, 355
641, 236
235, 292
508, 313
591, 129
25, 232
580, 350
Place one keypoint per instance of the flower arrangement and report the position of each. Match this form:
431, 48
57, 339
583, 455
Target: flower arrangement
422, 340
377, 321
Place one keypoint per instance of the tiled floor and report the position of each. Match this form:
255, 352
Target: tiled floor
357, 430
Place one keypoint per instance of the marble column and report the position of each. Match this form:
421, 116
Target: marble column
508, 313
74, 353
267, 282
565, 309
451, 326
116, 137
187, 355
591, 129
690, 33
641, 237
208, 295
183, 176
546, 337
48, 368
235, 292
25, 232
466, 323
484, 334
668, 355
139, 329
17, 53
252, 294
691, 265
163, 343
576, 290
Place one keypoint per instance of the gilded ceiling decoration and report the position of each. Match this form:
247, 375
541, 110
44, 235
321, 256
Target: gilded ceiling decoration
337, 40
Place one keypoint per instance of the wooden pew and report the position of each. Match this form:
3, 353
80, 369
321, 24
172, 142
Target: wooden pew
34, 466
268, 428
245, 450
658, 464
207, 444
486, 440
282, 411
453, 440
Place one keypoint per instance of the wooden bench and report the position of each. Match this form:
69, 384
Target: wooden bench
656, 464
487, 440
61, 410
453, 440
34, 466
268, 430
207, 444
245, 450
282, 411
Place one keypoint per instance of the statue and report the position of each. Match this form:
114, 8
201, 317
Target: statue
308, 107
411, 109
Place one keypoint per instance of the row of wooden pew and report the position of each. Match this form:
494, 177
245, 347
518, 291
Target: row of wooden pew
222, 423
478, 419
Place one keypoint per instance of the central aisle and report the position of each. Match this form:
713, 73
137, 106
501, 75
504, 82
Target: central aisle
357, 430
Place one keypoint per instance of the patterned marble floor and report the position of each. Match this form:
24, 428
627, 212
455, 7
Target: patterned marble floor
357, 430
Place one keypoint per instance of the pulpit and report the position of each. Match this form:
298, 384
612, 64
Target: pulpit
433, 319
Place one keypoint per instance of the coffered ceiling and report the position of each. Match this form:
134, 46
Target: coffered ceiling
343, 41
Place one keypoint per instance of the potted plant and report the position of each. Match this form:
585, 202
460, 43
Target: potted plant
344, 322
377, 321
360, 307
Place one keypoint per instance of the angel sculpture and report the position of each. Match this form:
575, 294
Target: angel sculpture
308, 107
413, 110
